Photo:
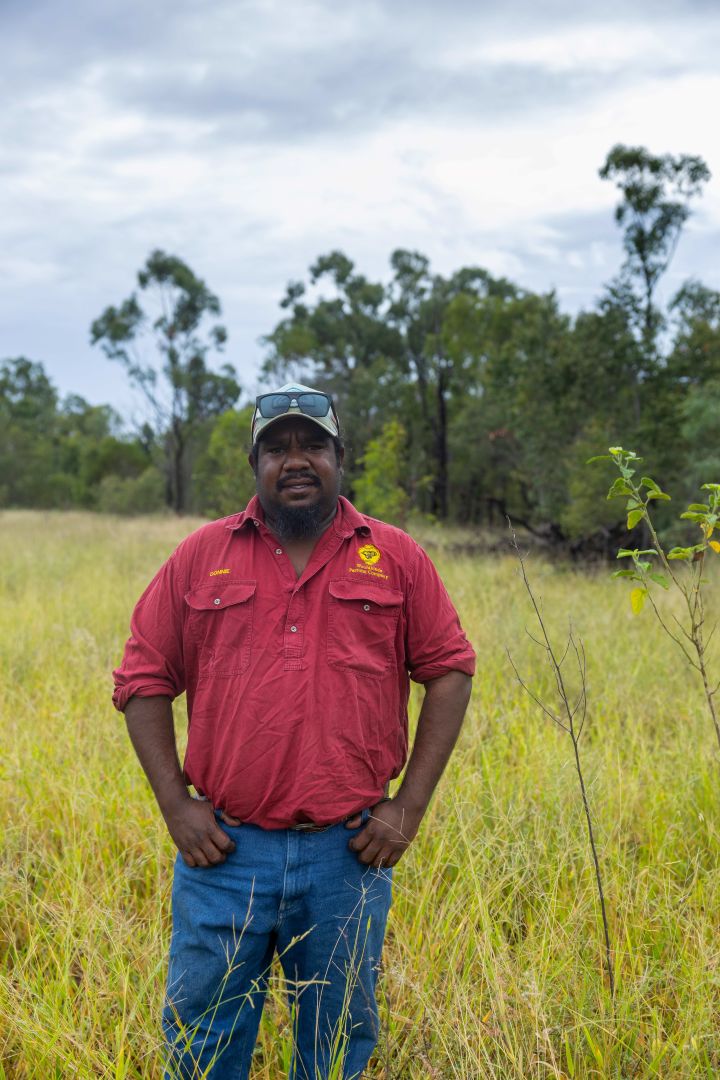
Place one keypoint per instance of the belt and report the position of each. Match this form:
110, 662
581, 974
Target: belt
310, 826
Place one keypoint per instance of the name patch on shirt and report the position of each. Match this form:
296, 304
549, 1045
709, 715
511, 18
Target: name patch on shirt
225, 570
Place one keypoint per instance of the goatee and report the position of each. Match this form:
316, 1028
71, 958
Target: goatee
298, 522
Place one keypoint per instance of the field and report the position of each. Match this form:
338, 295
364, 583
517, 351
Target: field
493, 962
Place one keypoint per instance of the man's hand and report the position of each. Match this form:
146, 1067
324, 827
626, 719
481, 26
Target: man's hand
196, 833
387, 834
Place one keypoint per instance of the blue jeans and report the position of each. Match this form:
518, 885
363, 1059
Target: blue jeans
304, 895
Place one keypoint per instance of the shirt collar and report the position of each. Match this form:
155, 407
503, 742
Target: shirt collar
253, 512
347, 519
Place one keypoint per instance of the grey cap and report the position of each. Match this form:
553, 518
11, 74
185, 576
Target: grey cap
328, 422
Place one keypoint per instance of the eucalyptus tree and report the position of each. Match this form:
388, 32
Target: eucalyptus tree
656, 193
163, 344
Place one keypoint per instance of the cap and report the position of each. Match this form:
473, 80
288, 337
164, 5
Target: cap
294, 399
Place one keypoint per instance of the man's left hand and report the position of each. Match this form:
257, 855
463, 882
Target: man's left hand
387, 834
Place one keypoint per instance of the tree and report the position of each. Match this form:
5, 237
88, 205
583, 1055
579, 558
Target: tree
28, 421
381, 350
224, 479
56, 454
695, 357
656, 192
379, 489
164, 351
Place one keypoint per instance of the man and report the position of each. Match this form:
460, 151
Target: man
293, 627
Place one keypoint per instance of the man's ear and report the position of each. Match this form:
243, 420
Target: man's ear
252, 462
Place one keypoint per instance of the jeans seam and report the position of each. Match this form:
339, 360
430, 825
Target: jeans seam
281, 905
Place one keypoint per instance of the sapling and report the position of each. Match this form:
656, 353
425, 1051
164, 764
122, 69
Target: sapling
683, 566
570, 718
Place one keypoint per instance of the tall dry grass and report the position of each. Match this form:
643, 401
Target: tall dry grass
493, 958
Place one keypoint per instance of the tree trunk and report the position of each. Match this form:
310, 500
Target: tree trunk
177, 449
441, 451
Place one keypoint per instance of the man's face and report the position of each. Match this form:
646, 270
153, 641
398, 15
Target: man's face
297, 477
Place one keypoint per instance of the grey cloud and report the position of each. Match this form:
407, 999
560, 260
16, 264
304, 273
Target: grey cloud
387, 65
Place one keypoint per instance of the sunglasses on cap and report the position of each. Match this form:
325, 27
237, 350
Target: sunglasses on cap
311, 404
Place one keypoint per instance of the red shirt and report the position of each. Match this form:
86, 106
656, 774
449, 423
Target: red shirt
297, 688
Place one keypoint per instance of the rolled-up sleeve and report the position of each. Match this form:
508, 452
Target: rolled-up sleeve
152, 664
435, 641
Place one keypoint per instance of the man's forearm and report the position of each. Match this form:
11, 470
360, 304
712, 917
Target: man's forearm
191, 822
152, 733
438, 727
395, 822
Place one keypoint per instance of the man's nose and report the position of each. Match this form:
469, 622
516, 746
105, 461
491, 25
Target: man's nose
296, 457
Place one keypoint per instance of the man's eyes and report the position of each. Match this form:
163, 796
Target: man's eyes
316, 448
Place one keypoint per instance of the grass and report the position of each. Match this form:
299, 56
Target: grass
493, 960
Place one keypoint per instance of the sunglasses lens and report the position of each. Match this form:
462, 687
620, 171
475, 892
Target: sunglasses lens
273, 405
314, 404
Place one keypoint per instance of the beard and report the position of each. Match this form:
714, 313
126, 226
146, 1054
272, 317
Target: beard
298, 522
290, 522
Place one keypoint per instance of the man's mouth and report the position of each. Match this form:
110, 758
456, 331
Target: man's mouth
299, 484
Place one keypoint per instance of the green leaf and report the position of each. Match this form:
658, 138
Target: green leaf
637, 600
710, 487
699, 508
642, 565
660, 579
633, 517
650, 483
681, 553
690, 515
625, 573
647, 551
625, 553
598, 457
633, 503
619, 487
658, 495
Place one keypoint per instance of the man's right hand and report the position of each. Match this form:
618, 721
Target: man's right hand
196, 833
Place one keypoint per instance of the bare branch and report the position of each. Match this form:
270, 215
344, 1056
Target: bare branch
536, 699
539, 643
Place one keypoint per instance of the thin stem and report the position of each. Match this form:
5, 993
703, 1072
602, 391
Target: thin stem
598, 875
669, 632
574, 736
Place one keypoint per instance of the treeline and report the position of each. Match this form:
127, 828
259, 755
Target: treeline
463, 397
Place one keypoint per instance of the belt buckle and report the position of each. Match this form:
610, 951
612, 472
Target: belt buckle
309, 826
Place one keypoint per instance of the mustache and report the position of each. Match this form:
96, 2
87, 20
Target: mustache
306, 478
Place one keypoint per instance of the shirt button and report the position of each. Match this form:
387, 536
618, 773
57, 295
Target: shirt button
217, 601
366, 607
293, 629
255, 522
278, 551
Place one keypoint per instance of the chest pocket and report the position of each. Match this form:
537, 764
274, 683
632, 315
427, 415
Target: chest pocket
220, 624
362, 624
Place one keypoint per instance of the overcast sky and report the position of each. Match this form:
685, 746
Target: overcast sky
250, 137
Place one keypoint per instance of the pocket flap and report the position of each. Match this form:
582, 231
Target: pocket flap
360, 590
218, 597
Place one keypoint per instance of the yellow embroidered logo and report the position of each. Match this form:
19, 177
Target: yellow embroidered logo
369, 554
214, 573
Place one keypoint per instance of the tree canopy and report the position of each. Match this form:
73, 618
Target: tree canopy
463, 396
